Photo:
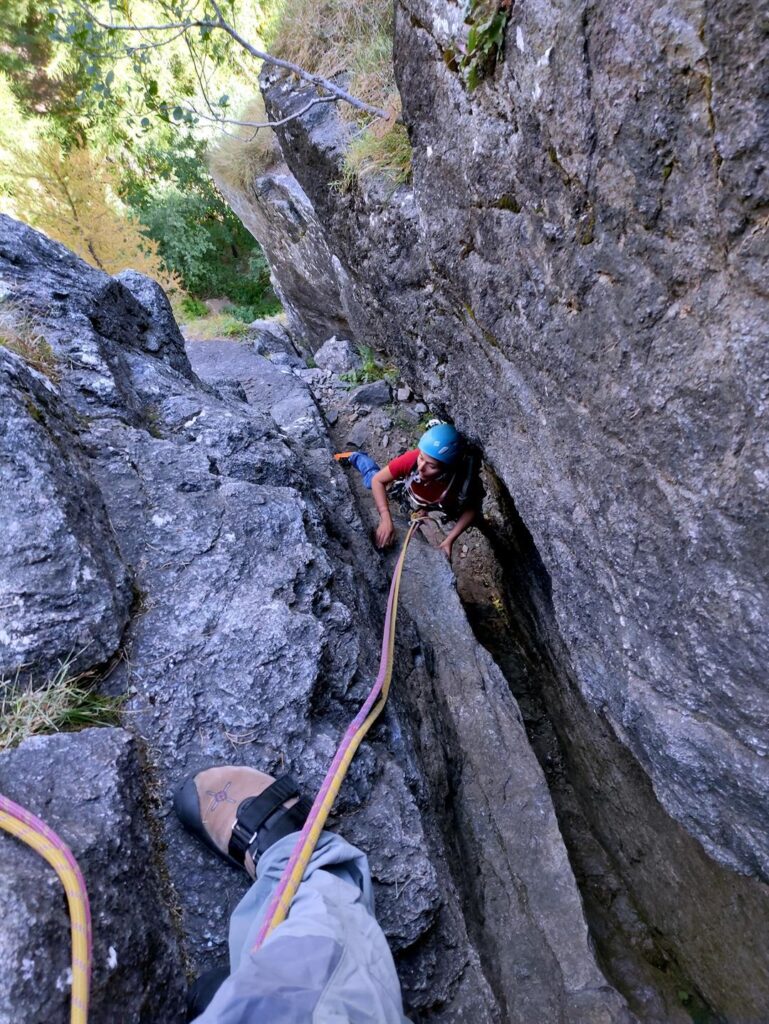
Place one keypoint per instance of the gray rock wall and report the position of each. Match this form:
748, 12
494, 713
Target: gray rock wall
588, 320
577, 278
64, 589
278, 213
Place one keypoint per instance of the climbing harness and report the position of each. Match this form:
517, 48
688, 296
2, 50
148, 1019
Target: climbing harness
412, 496
456, 493
357, 729
35, 833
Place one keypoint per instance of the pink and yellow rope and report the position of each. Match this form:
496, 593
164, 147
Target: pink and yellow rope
35, 833
324, 801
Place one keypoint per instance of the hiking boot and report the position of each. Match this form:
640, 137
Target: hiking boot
239, 812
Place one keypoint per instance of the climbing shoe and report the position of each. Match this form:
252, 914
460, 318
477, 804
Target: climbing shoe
239, 812
202, 991
343, 456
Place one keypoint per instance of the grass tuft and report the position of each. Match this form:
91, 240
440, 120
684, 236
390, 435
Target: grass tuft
370, 370
245, 153
19, 334
382, 149
67, 703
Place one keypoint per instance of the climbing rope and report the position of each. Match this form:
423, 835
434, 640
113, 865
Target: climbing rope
357, 729
35, 833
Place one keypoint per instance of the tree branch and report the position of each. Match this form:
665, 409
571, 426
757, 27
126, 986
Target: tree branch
221, 23
316, 80
259, 124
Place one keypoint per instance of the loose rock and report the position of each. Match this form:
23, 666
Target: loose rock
378, 393
338, 355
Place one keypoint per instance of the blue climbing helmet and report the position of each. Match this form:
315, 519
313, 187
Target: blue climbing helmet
441, 442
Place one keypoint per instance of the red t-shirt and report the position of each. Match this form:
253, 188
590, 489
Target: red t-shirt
430, 490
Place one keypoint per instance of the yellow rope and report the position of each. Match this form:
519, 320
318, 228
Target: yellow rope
49, 846
294, 872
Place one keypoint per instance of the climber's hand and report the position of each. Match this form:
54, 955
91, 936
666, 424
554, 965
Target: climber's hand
385, 533
445, 546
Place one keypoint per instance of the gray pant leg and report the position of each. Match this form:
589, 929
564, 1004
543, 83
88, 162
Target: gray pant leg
328, 963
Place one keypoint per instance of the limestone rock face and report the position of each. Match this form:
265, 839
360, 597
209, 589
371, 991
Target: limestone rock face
577, 298
87, 787
574, 277
64, 588
511, 865
278, 213
161, 335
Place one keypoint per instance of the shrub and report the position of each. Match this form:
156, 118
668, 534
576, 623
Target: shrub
193, 308
247, 314
198, 236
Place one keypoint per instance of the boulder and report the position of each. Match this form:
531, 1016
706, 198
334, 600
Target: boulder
65, 591
337, 355
273, 340
377, 393
87, 787
161, 336
358, 435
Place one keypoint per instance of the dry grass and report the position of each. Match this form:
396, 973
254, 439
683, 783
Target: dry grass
19, 334
333, 36
329, 36
245, 153
382, 149
65, 704
218, 325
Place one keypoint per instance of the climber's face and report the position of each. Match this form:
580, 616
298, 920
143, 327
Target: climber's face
428, 467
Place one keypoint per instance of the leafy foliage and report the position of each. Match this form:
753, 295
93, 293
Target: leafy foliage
477, 56
269, 306
42, 78
190, 309
89, 107
72, 197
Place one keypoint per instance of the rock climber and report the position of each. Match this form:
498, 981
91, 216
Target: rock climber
328, 961
439, 475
